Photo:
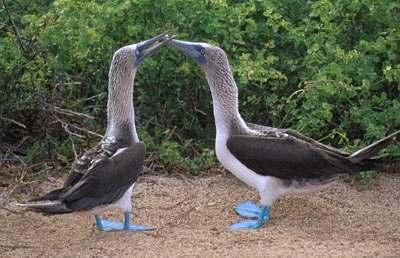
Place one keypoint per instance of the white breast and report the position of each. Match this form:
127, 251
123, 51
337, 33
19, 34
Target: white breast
125, 202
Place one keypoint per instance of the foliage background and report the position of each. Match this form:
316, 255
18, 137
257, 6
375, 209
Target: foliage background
328, 68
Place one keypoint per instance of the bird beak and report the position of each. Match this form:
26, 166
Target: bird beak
191, 49
147, 48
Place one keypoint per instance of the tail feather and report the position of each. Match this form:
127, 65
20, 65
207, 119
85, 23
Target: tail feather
372, 149
386, 164
51, 196
46, 206
50, 203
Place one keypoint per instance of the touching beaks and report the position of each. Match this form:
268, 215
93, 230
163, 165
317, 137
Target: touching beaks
192, 49
148, 47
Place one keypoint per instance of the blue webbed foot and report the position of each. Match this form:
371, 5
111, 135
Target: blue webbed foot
109, 225
135, 227
248, 209
263, 215
246, 224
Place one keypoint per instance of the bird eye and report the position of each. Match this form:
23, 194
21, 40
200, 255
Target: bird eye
203, 51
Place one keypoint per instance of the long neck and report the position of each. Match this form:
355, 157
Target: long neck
225, 100
120, 111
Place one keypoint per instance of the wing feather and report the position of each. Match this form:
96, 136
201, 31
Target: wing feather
288, 157
107, 180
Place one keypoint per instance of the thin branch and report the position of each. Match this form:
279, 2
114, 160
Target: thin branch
87, 131
69, 112
65, 125
14, 26
13, 121
89, 98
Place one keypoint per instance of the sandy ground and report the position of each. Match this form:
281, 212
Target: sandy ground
192, 215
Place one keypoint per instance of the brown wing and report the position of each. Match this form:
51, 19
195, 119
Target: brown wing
288, 157
106, 180
104, 149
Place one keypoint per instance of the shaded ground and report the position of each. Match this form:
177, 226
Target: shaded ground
192, 216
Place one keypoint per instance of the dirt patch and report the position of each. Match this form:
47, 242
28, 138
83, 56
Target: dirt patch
192, 216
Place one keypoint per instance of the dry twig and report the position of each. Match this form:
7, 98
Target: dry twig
65, 126
13, 121
69, 112
87, 131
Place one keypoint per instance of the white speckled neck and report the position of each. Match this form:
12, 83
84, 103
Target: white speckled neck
225, 100
120, 110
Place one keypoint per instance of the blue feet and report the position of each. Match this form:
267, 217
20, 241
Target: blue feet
108, 225
249, 209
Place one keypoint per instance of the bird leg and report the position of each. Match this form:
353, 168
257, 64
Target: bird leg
249, 209
134, 227
109, 225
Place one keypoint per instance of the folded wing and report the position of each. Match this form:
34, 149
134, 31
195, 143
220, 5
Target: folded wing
107, 180
288, 157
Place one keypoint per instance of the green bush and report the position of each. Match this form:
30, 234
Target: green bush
328, 68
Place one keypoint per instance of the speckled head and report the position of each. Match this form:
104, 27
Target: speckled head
134, 54
204, 54
223, 88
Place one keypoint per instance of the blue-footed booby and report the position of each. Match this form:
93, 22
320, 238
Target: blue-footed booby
274, 161
104, 176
